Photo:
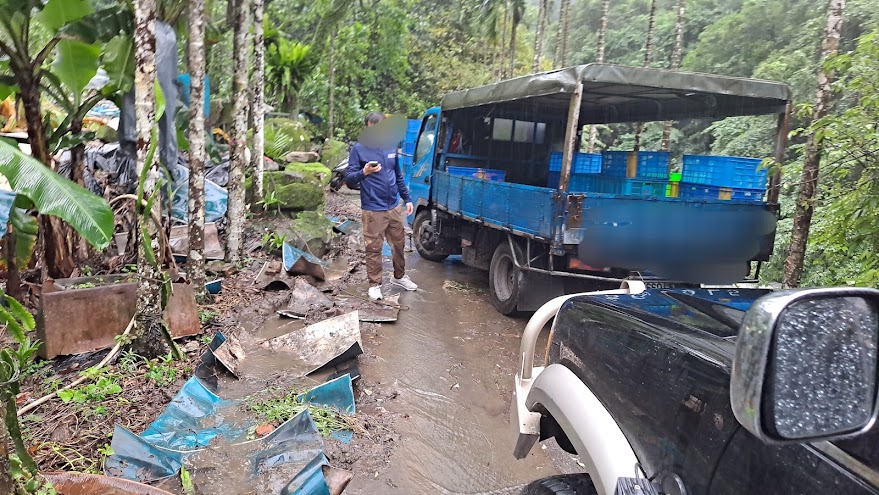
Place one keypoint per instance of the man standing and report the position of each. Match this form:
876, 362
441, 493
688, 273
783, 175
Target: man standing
378, 172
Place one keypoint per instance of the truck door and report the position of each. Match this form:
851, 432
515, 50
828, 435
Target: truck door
419, 173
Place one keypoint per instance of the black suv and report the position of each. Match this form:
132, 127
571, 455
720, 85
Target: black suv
706, 391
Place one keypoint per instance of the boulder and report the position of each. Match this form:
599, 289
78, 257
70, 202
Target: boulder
299, 188
311, 232
333, 153
302, 157
316, 172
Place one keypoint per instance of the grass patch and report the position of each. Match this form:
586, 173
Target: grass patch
277, 409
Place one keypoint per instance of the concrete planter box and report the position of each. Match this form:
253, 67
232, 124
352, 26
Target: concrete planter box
78, 315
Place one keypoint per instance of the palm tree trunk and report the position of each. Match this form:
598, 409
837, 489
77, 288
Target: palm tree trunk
239, 131
793, 265
648, 49
675, 65
148, 330
195, 265
331, 81
602, 42
258, 101
562, 43
538, 37
514, 28
502, 61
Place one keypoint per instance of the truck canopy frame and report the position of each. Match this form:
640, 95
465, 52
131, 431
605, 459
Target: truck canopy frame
618, 94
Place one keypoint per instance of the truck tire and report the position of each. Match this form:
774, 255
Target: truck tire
566, 484
504, 278
422, 232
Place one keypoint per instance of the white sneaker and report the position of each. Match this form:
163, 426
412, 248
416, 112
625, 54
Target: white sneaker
375, 292
404, 282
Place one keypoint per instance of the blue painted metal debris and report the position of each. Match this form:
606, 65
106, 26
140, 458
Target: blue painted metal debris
298, 262
215, 286
195, 418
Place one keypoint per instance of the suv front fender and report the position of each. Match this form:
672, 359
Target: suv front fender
598, 440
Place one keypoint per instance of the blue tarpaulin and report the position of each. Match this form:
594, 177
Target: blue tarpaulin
7, 198
216, 198
195, 417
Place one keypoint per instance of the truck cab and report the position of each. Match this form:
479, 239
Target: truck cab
500, 176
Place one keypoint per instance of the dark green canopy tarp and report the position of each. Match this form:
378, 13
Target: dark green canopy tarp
615, 93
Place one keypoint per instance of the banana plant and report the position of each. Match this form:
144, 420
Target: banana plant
39, 188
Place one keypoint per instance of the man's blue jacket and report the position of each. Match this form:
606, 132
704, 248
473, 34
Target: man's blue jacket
381, 190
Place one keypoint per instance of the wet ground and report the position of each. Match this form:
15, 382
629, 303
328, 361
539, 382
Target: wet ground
450, 357
448, 362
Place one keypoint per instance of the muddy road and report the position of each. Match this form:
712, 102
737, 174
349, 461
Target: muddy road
449, 363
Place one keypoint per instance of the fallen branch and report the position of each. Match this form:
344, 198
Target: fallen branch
115, 350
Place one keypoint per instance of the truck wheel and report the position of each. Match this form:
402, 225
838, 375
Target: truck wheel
504, 278
425, 243
567, 484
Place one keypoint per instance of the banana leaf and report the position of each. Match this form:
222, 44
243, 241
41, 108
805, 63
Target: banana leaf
52, 194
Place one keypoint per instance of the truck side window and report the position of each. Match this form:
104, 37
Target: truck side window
425, 139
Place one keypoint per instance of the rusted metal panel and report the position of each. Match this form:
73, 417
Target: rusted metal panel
75, 318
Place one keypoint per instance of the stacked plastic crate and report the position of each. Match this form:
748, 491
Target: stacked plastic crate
642, 173
723, 178
585, 174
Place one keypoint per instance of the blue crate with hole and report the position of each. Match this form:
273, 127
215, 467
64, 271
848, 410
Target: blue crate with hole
724, 171
478, 173
583, 163
409, 148
650, 164
702, 192
650, 188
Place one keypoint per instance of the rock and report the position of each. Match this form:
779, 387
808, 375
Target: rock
271, 165
333, 152
311, 232
302, 157
264, 429
312, 171
295, 190
222, 268
190, 346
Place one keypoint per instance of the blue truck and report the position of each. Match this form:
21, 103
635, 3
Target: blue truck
497, 177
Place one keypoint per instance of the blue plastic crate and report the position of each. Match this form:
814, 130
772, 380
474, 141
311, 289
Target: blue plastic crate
653, 188
724, 171
651, 164
413, 125
702, 192
588, 183
614, 163
478, 173
409, 148
583, 163
595, 184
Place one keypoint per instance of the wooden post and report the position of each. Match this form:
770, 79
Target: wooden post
571, 146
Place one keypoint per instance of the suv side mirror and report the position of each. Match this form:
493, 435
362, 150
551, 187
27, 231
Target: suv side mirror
807, 365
